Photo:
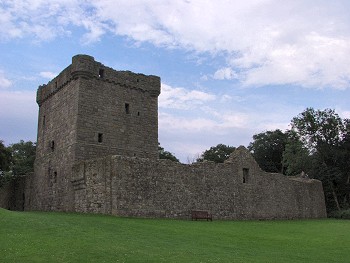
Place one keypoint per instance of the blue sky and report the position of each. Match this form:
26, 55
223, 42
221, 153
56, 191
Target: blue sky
229, 69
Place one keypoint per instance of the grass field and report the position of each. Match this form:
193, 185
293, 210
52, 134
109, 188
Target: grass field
65, 237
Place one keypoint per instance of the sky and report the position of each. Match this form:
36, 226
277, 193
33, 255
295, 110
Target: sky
229, 69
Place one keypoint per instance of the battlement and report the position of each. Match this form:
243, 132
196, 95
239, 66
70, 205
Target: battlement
84, 66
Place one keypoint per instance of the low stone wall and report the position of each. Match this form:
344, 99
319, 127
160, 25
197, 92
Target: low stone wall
237, 189
6, 192
12, 194
130, 186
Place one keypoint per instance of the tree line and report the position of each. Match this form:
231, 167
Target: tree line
16, 160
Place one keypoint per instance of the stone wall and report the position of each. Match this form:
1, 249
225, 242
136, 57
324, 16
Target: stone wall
89, 110
50, 187
126, 119
237, 189
6, 193
12, 194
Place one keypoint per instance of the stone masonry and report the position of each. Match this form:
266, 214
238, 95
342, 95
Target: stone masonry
89, 110
97, 152
236, 189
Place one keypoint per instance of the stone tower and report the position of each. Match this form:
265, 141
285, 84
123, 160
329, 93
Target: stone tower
88, 111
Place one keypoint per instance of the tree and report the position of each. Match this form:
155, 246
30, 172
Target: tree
23, 156
296, 157
217, 154
5, 162
267, 149
5, 158
326, 136
317, 128
166, 155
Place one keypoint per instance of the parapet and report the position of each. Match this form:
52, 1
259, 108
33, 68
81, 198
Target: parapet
85, 66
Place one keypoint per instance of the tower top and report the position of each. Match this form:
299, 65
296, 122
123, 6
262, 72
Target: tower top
85, 66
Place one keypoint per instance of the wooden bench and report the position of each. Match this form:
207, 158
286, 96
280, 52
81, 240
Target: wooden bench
199, 214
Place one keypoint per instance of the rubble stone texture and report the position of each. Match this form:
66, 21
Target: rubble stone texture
97, 152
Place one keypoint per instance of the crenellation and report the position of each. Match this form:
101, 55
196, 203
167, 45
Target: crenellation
97, 152
84, 66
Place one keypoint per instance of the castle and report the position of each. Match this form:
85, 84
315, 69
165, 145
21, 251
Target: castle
97, 151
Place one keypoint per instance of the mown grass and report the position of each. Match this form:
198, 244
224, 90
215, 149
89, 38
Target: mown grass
65, 237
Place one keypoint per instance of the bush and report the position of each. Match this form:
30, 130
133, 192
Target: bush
5, 177
342, 214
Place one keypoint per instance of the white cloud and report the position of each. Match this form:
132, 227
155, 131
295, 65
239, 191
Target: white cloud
215, 123
344, 114
188, 136
185, 124
4, 82
181, 98
225, 73
264, 41
18, 103
316, 62
44, 20
18, 113
48, 74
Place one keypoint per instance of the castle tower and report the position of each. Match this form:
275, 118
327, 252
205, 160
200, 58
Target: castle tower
88, 111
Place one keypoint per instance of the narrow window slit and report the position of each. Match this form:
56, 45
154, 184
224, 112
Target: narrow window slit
101, 73
245, 175
100, 137
127, 108
52, 145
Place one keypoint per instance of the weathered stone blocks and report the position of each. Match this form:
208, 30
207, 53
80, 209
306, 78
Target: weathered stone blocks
97, 152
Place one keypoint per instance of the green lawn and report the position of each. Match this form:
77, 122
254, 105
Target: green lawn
66, 237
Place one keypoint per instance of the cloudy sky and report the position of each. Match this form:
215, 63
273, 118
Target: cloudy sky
229, 69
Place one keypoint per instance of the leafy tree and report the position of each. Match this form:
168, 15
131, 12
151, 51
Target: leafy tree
5, 157
296, 157
166, 155
5, 162
326, 136
317, 128
23, 156
217, 154
267, 149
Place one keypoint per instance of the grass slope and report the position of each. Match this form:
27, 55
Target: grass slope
65, 237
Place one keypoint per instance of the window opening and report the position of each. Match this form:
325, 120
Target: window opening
100, 137
101, 73
44, 121
245, 175
127, 108
52, 145
138, 113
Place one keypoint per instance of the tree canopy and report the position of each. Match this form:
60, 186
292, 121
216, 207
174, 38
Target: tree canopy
16, 160
267, 149
318, 128
318, 144
326, 136
163, 154
296, 157
5, 158
217, 154
23, 156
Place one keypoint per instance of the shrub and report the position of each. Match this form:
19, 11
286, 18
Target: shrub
342, 214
